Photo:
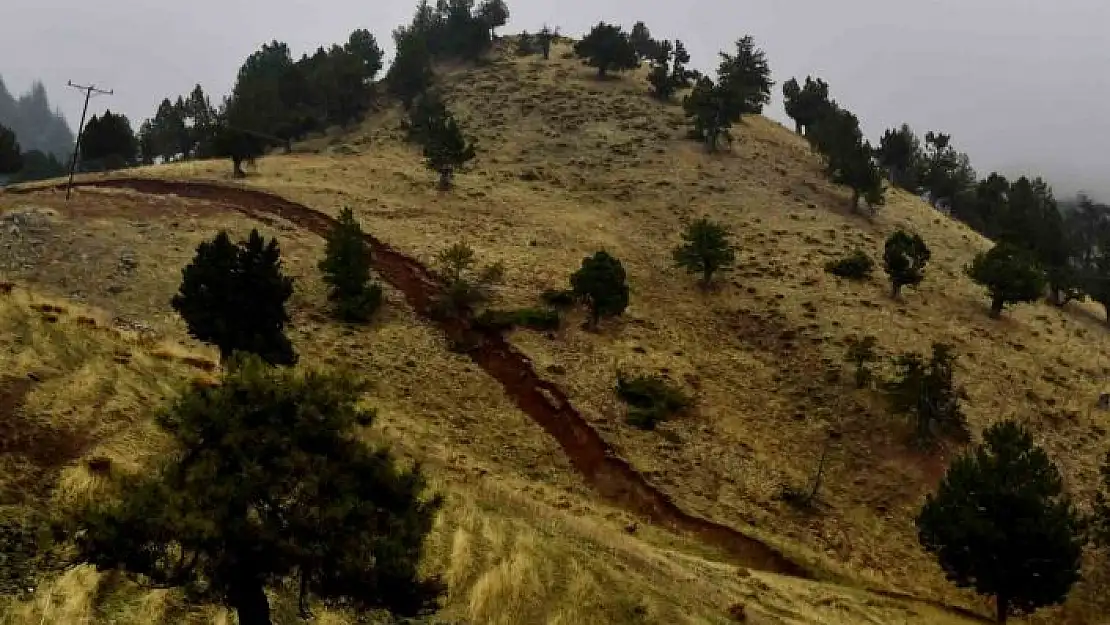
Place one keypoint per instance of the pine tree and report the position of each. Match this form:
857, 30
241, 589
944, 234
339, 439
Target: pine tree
427, 111
1001, 523
110, 140
904, 259
707, 250
608, 48
1010, 275
668, 70
233, 296
446, 149
646, 48
805, 105
494, 14
746, 79
707, 108
601, 283
465, 287
240, 146
926, 392
900, 153
346, 269
859, 172
269, 482
11, 156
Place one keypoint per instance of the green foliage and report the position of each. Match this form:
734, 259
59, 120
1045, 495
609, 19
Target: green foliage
1010, 275
861, 353
233, 296
1089, 230
946, 173
745, 78
855, 266
926, 392
1001, 523
464, 286
905, 256
805, 105
900, 153
601, 283
706, 250
559, 299
269, 481
707, 106
109, 140
240, 146
608, 48
849, 159
858, 171
411, 74
539, 319
650, 399
526, 44
26, 549
646, 48
346, 269
493, 14
426, 112
668, 70
36, 122
11, 155
446, 149
39, 166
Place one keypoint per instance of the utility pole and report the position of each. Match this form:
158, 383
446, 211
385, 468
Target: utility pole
89, 91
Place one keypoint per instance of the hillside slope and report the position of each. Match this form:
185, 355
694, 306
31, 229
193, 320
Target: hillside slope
568, 165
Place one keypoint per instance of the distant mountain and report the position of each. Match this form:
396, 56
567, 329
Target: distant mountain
36, 126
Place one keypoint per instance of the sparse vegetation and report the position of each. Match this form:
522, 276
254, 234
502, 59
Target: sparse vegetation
539, 319
855, 266
301, 498
650, 399
601, 283
905, 257
1001, 523
861, 353
1009, 274
233, 296
668, 70
346, 269
608, 48
466, 288
545, 38
707, 250
926, 392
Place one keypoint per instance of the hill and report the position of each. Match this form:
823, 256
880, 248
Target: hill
36, 125
568, 165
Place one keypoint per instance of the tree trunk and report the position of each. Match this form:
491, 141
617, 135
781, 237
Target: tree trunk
237, 168
820, 471
996, 308
595, 318
797, 127
855, 200
895, 290
706, 277
444, 179
601, 72
250, 603
1002, 611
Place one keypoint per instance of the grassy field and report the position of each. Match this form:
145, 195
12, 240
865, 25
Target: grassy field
568, 165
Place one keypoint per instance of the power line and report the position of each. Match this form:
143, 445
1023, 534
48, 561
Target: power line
89, 91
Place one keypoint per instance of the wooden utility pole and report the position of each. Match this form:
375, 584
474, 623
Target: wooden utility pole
89, 91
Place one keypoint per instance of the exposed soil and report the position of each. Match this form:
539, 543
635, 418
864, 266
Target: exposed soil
542, 400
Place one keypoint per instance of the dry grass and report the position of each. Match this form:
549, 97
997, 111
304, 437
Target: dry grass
568, 165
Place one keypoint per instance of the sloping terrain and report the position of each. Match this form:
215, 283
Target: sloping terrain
567, 166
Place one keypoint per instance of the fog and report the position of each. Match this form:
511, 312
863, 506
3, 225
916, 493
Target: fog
1020, 84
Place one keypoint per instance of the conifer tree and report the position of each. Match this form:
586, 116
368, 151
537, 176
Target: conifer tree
608, 48
446, 149
233, 296
346, 269
1001, 523
905, 256
11, 156
805, 105
601, 283
1010, 275
706, 250
269, 481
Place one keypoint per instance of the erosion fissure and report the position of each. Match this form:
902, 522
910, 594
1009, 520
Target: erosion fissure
613, 477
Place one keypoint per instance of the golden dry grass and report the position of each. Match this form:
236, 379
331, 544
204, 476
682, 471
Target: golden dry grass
568, 165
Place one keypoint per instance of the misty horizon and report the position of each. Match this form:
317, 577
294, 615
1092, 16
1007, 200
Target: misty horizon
969, 77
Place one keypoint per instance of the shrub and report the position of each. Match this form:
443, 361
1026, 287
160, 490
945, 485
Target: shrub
905, 256
861, 353
560, 299
855, 266
650, 400
539, 319
706, 249
464, 286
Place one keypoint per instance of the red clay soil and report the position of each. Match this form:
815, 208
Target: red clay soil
540, 399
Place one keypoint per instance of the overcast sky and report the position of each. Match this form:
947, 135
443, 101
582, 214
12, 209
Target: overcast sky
1022, 85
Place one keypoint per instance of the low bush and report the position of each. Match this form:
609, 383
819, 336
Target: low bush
650, 399
855, 266
539, 319
558, 298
